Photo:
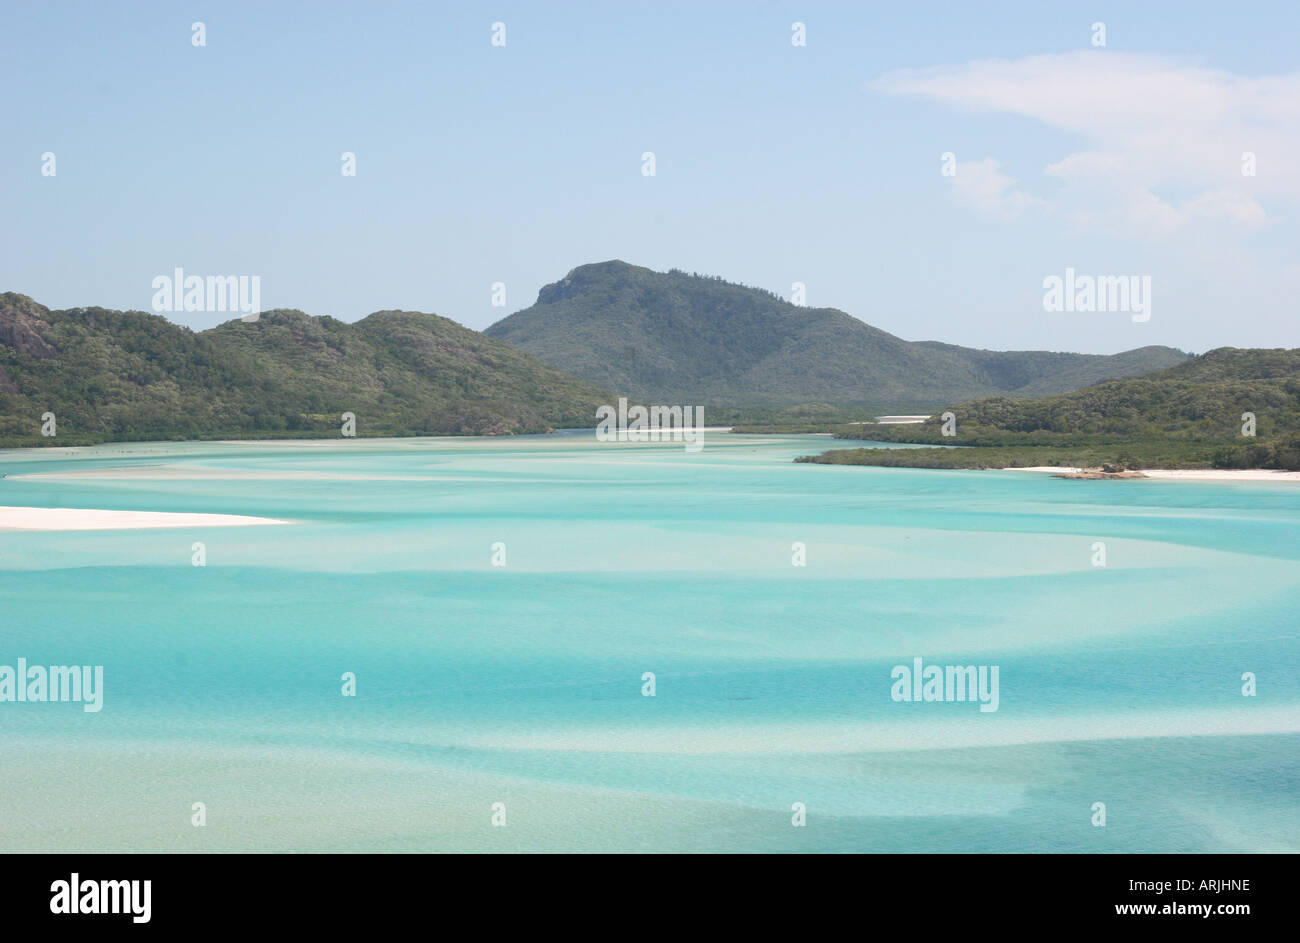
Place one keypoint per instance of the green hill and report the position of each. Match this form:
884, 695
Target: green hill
1185, 416
678, 338
1203, 397
129, 375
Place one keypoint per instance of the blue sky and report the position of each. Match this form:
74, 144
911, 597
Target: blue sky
774, 163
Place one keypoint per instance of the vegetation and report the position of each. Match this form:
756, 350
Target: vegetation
804, 418
1130, 455
128, 375
670, 337
1187, 416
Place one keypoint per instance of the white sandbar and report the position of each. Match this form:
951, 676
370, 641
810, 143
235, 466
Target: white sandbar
15, 518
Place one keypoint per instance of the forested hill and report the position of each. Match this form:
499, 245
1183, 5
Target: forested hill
679, 338
1204, 396
1228, 408
130, 375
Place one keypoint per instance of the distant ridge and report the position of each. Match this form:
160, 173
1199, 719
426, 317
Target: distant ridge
680, 338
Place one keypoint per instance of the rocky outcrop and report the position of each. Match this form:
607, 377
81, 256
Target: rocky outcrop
22, 327
1105, 472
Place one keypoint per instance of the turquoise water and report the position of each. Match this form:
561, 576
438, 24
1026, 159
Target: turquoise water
522, 684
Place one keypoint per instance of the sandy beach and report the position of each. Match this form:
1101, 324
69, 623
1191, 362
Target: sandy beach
1058, 469
1185, 474
17, 518
1222, 474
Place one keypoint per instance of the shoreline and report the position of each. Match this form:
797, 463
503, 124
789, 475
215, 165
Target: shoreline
1181, 474
69, 519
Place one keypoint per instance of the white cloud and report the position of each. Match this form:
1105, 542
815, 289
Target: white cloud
1148, 125
982, 186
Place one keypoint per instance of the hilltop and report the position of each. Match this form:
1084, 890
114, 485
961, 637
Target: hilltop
671, 337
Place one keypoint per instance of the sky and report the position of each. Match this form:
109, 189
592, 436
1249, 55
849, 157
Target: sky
774, 163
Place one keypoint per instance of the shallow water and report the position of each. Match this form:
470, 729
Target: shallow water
522, 684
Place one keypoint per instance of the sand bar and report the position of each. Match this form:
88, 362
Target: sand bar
205, 473
16, 518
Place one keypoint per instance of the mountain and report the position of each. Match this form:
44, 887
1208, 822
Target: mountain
678, 338
129, 375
